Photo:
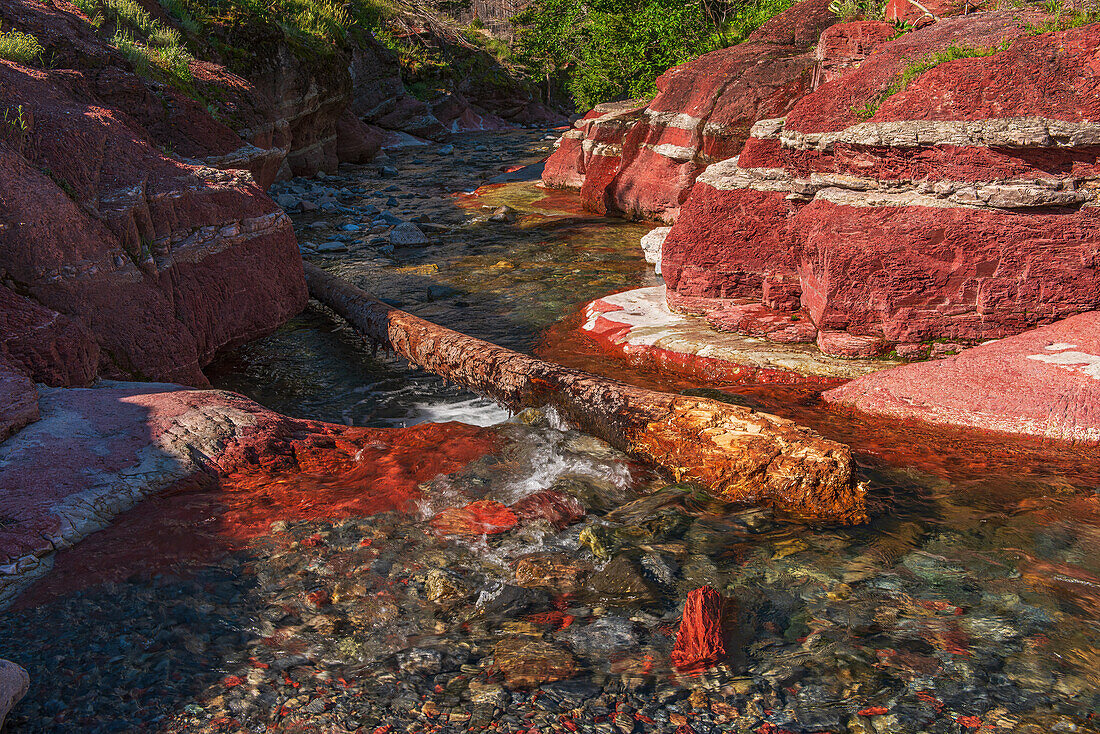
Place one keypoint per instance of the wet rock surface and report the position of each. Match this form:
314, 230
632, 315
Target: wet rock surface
968, 601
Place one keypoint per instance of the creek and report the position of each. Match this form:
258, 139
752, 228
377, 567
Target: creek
971, 600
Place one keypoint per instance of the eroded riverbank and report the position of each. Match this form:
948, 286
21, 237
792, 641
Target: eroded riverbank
970, 599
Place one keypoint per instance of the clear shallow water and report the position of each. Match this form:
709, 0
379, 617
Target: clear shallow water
969, 602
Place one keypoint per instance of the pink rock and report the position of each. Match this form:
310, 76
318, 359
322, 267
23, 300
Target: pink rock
956, 209
755, 319
1044, 382
846, 45
484, 517
162, 262
701, 641
43, 344
843, 344
557, 508
356, 142
96, 452
909, 12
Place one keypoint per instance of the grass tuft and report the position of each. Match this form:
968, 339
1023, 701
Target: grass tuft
22, 48
910, 73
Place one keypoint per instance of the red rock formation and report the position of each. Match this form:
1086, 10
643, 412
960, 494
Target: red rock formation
97, 452
701, 640
957, 208
643, 161
133, 214
18, 400
1045, 382
846, 45
557, 508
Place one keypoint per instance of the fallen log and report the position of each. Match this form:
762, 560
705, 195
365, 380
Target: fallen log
740, 454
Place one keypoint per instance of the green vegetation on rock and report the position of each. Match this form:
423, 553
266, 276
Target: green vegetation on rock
907, 75
22, 48
604, 50
850, 10
154, 49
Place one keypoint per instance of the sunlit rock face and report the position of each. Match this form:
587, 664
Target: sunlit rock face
641, 158
960, 208
133, 216
97, 452
1044, 382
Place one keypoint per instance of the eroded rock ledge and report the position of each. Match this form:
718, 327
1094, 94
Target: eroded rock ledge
963, 209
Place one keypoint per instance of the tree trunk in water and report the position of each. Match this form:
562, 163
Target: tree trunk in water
740, 454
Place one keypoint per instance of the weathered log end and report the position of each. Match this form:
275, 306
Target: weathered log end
755, 458
740, 454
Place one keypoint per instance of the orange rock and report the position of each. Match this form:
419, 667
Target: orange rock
484, 517
700, 643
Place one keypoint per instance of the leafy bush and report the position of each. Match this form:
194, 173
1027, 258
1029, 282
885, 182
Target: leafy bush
903, 79
22, 48
603, 50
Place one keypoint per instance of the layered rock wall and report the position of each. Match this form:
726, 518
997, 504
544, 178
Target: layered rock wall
135, 235
960, 208
641, 160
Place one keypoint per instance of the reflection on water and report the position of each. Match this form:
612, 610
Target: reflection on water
970, 602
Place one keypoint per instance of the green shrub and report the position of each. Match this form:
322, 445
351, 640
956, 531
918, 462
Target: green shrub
603, 50
904, 78
22, 48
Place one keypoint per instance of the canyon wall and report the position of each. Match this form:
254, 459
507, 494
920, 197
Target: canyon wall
135, 235
641, 159
912, 189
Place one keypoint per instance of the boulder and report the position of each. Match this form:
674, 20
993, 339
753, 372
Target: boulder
641, 159
408, 234
413, 116
959, 208
844, 46
484, 517
528, 663
357, 142
651, 246
555, 571
161, 261
14, 683
133, 228
1044, 382
43, 344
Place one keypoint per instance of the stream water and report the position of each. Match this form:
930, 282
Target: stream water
970, 601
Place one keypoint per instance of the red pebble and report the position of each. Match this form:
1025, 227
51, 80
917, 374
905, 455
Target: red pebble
317, 599
700, 643
484, 517
969, 722
872, 711
232, 680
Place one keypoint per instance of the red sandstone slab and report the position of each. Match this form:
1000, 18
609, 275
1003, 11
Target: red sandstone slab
97, 452
1044, 382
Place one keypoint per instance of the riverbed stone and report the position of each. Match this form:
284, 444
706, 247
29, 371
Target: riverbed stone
14, 683
527, 663
407, 234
